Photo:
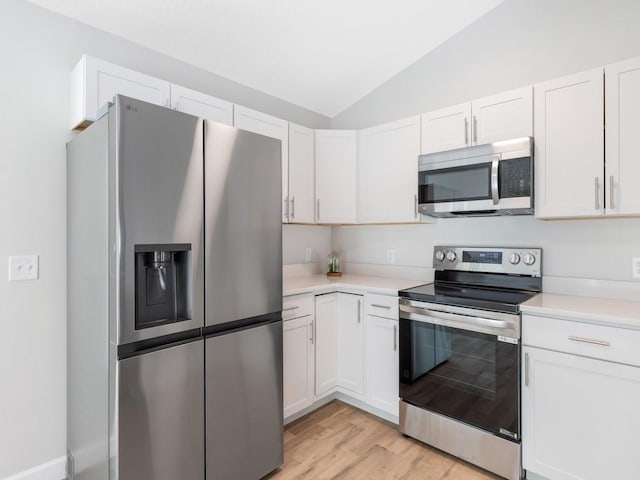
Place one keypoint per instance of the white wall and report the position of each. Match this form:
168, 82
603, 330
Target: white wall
518, 43
38, 50
297, 238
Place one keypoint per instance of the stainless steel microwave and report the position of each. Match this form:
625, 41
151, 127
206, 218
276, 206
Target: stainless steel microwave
484, 180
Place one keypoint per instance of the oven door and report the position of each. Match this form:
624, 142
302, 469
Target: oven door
448, 368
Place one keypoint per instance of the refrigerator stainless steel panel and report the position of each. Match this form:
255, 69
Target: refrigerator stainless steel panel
244, 435
161, 414
243, 230
159, 201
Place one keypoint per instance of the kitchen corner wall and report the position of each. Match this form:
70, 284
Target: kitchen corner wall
38, 50
296, 239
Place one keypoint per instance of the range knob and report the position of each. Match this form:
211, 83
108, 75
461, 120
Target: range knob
451, 256
439, 255
529, 259
514, 259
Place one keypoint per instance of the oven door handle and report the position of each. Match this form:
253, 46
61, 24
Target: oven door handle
506, 327
495, 192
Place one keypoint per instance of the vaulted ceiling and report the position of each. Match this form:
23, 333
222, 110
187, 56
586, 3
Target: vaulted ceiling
322, 55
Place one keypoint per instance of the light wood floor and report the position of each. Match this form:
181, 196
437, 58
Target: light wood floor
340, 441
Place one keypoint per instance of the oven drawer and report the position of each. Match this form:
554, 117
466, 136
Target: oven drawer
381, 305
586, 339
297, 306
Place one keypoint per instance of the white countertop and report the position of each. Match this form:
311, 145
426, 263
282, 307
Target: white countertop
322, 283
603, 311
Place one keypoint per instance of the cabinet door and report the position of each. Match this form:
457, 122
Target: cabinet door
623, 124
201, 105
335, 176
579, 417
264, 124
326, 338
351, 342
297, 364
568, 126
504, 116
381, 360
301, 174
446, 129
388, 172
95, 82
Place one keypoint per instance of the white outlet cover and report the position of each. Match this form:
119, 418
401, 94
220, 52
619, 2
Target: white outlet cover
391, 256
23, 267
635, 267
307, 254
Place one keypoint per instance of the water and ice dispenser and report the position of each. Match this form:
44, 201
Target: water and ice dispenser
163, 290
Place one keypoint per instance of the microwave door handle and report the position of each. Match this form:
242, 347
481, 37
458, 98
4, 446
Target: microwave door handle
495, 194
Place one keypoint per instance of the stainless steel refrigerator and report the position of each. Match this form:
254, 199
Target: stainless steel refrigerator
174, 298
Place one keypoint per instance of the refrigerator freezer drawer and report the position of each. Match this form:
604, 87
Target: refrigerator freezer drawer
161, 414
244, 403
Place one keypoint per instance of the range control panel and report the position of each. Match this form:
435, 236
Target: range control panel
519, 261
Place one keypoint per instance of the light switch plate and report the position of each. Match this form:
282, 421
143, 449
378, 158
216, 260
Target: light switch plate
635, 267
24, 267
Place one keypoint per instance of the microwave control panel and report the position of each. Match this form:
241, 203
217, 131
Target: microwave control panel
515, 177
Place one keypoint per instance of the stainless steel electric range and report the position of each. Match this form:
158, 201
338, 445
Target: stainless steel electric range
460, 354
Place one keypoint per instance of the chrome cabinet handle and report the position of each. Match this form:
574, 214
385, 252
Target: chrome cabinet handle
359, 309
592, 341
597, 194
611, 192
318, 209
415, 205
288, 309
312, 324
286, 207
475, 129
395, 338
387, 307
526, 369
495, 192
293, 207
466, 131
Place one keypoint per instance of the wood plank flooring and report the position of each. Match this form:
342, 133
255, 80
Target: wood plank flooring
339, 441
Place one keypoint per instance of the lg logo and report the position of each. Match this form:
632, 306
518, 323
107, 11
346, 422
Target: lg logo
132, 108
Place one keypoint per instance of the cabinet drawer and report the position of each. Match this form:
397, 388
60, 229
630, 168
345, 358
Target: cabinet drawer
384, 306
297, 306
586, 339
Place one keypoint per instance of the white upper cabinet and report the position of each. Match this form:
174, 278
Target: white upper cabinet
446, 129
336, 176
490, 119
622, 152
201, 105
301, 174
503, 116
95, 82
388, 172
269, 126
569, 145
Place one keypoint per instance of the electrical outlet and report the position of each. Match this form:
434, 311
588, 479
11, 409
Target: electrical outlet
23, 268
635, 267
307, 254
391, 256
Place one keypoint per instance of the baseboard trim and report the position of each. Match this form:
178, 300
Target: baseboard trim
51, 470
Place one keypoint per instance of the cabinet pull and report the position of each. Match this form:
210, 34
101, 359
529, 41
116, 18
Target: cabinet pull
415, 205
286, 207
318, 210
526, 369
386, 307
597, 194
312, 327
475, 129
395, 338
359, 309
592, 341
466, 131
293, 207
611, 192
288, 309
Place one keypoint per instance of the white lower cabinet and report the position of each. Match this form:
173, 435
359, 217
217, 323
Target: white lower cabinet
381, 361
351, 343
326, 343
579, 415
298, 364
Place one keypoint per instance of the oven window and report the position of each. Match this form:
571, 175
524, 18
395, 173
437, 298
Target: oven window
468, 376
457, 184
